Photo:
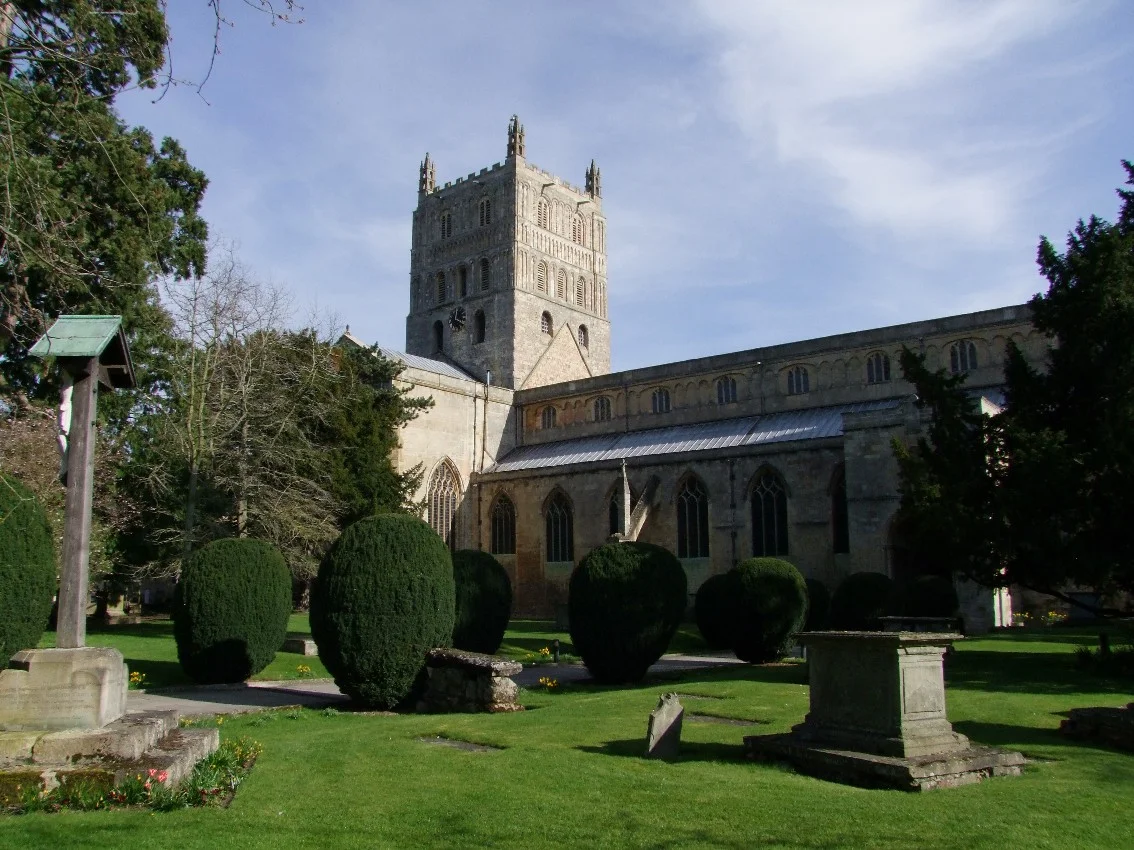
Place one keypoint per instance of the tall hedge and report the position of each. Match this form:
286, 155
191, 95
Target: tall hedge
818, 606
714, 607
483, 603
625, 601
926, 596
383, 598
27, 568
230, 610
860, 600
771, 605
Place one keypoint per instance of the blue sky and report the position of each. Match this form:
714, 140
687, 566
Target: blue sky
772, 171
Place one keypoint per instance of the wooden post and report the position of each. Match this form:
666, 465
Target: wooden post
74, 591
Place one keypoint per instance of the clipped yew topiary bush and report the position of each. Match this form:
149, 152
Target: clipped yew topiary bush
771, 606
230, 610
926, 596
625, 601
818, 606
483, 602
27, 568
860, 600
714, 607
383, 598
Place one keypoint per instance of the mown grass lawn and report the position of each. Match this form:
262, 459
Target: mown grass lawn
569, 773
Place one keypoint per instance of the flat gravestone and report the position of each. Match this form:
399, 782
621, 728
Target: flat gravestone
663, 734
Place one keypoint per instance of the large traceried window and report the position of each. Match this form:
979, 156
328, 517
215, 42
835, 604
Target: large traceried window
692, 520
798, 380
962, 357
547, 417
543, 214
769, 516
659, 400
877, 368
441, 503
503, 526
602, 409
485, 275
559, 530
541, 277
726, 390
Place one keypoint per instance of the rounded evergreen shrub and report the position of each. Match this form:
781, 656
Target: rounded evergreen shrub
771, 606
713, 607
818, 606
859, 601
483, 603
27, 568
625, 601
926, 596
383, 598
230, 610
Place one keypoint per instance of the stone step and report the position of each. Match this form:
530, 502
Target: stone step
127, 738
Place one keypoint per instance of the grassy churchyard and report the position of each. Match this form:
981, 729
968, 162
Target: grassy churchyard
569, 771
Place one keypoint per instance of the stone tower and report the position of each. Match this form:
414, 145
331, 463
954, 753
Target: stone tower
508, 272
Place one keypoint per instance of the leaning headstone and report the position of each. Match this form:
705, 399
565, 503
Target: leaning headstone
663, 734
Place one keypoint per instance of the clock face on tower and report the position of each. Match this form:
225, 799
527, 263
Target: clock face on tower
457, 318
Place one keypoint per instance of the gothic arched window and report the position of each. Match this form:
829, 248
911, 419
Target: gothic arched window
485, 275
545, 322
561, 285
547, 417
441, 503
541, 276
577, 229
446, 225
769, 516
543, 217
442, 288
877, 368
692, 520
558, 527
659, 400
840, 520
602, 409
798, 381
485, 212
503, 526
462, 281
581, 292
584, 336
438, 337
726, 390
962, 357
478, 326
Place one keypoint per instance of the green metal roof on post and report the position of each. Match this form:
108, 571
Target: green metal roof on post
85, 337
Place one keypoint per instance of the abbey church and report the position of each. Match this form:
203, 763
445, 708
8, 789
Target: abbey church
536, 452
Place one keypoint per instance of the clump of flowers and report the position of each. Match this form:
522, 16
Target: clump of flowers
549, 683
137, 680
302, 671
545, 652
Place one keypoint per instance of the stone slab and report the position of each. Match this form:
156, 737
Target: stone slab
83, 688
663, 731
922, 773
300, 646
1113, 727
127, 738
444, 657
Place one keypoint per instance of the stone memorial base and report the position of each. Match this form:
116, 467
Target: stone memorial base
300, 646
462, 681
877, 716
868, 770
82, 688
133, 744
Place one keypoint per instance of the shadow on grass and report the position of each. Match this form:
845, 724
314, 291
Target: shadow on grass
159, 674
1009, 737
148, 629
690, 750
1025, 672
